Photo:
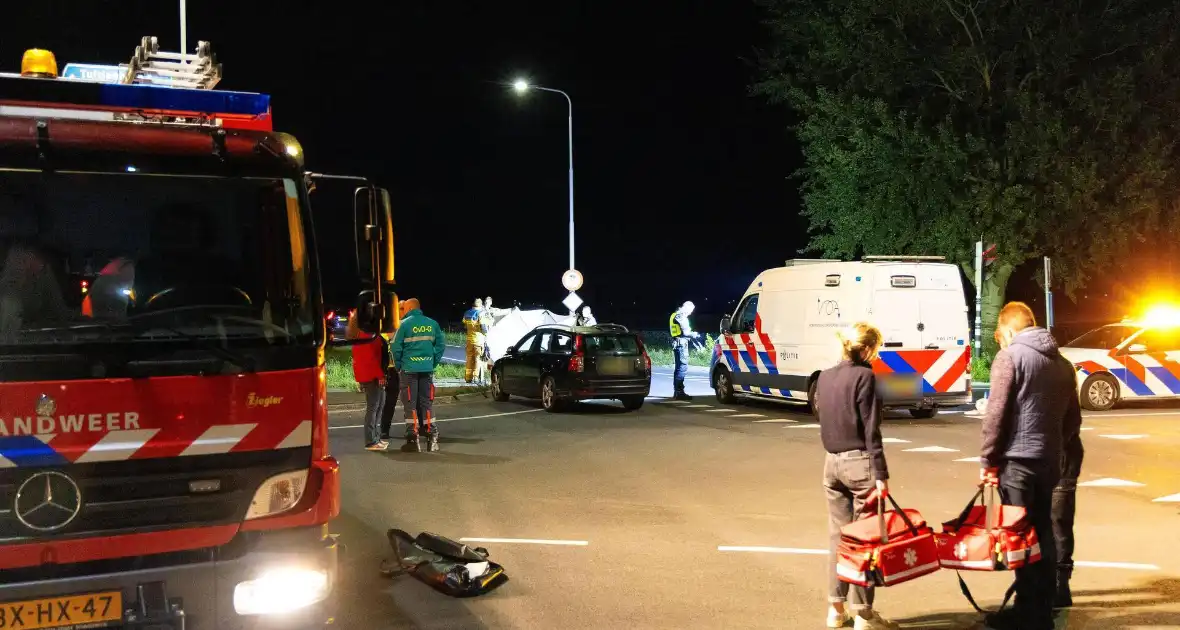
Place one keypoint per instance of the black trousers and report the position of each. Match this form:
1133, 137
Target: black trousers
1065, 497
392, 393
1030, 484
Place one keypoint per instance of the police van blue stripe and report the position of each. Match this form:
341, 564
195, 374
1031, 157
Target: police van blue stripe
1130, 380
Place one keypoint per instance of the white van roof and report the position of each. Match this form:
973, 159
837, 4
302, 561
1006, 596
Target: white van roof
815, 272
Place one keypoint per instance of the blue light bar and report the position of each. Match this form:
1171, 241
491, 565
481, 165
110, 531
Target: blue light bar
179, 99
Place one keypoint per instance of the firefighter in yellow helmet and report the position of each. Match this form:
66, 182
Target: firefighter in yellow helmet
475, 338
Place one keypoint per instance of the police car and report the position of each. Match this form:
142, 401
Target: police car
1133, 359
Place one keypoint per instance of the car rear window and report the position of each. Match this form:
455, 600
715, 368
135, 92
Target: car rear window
601, 344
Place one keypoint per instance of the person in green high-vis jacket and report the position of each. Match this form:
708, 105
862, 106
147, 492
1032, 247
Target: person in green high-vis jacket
417, 349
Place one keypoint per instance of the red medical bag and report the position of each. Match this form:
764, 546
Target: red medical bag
989, 536
892, 547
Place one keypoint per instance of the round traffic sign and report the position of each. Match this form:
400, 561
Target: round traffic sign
572, 280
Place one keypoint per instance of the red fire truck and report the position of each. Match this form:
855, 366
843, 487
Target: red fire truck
164, 457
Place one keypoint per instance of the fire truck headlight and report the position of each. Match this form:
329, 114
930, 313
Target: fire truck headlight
278, 494
278, 591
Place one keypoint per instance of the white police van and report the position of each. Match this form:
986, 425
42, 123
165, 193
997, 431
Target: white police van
783, 332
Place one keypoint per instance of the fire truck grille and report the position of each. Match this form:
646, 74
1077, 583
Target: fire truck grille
146, 495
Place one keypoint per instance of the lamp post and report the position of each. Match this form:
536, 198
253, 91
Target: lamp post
521, 86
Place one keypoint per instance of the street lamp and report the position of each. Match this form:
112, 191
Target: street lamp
521, 86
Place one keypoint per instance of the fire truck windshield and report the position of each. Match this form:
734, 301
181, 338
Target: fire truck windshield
112, 258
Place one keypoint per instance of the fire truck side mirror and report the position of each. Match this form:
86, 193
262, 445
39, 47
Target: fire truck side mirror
365, 232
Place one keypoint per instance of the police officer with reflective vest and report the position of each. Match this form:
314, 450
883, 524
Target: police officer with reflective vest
417, 350
682, 333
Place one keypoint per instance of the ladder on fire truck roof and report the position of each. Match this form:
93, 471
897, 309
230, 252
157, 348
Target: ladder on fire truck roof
150, 66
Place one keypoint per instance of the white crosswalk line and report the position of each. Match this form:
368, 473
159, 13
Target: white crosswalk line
1110, 482
973, 460
1123, 436
719, 411
749, 415
776, 421
1171, 498
932, 449
894, 441
696, 406
802, 426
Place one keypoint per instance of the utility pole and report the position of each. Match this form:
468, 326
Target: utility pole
979, 297
1048, 295
183, 30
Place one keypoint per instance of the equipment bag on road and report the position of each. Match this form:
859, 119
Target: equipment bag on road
447, 566
890, 548
988, 536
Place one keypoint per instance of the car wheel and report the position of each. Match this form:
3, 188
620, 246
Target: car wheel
723, 386
1100, 392
498, 394
923, 414
631, 403
549, 399
811, 387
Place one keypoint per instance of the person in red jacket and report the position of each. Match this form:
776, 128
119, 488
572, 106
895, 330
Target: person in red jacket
369, 372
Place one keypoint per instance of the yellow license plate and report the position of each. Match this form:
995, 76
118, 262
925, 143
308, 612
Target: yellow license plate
93, 610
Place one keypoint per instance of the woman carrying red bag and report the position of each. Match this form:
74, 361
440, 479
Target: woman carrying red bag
849, 413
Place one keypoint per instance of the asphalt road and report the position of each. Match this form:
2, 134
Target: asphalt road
627, 515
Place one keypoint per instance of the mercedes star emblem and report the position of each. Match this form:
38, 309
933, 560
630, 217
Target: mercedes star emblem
46, 406
47, 501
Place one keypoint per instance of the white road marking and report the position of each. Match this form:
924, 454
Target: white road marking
894, 441
932, 449
749, 415
674, 402
528, 541
719, 411
1171, 498
802, 426
973, 460
1132, 566
697, 406
1087, 428
1123, 436
1110, 482
775, 421
791, 550
490, 415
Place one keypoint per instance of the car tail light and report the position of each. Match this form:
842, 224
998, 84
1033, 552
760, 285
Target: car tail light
330, 316
646, 356
578, 361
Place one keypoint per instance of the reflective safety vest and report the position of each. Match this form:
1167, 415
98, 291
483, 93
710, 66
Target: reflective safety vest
674, 326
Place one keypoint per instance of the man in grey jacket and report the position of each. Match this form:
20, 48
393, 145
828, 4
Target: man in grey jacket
1032, 413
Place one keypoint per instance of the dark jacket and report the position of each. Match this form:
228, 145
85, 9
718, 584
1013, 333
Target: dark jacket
849, 412
1032, 410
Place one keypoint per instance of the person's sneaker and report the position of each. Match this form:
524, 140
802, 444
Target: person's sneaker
412, 443
432, 444
1006, 619
870, 620
377, 446
681, 396
837, 618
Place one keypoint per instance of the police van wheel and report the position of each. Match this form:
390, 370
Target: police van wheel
1100, 392
811, 394
923, 414
498, 394
723, 385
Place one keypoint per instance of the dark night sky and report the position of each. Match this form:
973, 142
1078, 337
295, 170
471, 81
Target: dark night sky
668, 142
681, 175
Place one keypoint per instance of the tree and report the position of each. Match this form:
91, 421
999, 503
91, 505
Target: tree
1049, 128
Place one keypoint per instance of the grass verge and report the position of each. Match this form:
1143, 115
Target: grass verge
339, 366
